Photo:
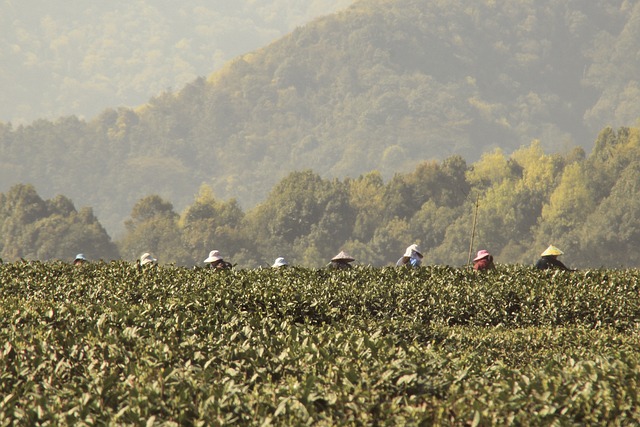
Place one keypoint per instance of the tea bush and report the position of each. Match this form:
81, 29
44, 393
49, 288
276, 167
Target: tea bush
108, 344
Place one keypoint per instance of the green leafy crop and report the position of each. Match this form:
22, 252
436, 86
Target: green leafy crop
108, 344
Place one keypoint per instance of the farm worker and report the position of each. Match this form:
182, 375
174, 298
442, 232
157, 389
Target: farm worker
215, 261
80, 259
412, 257
341, 261
146, 258
280, 262
549, 259
483, 261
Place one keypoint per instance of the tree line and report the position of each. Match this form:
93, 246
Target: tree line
587, 205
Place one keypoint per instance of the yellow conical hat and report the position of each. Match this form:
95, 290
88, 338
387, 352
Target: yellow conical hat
552, 250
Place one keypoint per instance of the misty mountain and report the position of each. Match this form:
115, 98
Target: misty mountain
380, 86
79, 57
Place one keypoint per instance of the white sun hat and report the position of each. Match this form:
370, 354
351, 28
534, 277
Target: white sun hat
146, 258
413, 249
279, 262
213, 257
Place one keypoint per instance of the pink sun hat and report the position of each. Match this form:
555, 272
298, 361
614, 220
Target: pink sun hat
482, 254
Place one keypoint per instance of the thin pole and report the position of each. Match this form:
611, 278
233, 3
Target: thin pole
473, 230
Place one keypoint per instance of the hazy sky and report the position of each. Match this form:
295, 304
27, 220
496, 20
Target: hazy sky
80, 57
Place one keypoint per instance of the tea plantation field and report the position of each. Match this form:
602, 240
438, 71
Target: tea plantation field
105, 344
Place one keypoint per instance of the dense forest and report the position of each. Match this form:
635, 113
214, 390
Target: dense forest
78, 57
588, 205
391, 86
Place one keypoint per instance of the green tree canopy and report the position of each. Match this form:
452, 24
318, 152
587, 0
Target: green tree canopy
610, 235
34, 228
153, 227
210, 224
300, 205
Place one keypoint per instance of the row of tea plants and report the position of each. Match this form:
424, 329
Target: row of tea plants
109, 344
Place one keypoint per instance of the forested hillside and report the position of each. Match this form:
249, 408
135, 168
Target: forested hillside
382, 86
78, 57
588, 205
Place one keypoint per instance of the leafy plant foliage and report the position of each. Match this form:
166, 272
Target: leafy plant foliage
105, 343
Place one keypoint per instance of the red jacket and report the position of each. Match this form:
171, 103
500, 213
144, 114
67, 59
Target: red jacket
485, 263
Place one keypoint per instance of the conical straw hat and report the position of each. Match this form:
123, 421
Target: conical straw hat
343, 256
552, 250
